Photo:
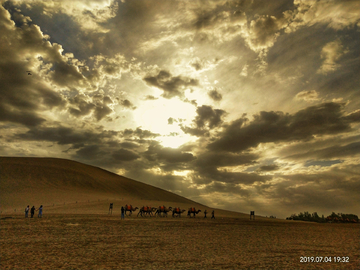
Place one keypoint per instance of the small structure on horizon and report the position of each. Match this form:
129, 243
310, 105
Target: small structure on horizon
252, 214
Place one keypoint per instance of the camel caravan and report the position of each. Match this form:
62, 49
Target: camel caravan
161, 211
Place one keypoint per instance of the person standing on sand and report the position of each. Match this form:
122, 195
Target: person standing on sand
40, 211
32, 211
122, 212
111, 208
205, 212
213, 214
27, 211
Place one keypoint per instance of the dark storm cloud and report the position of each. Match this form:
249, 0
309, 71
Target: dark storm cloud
215, 95
64, 135
150, 97
24, 97
22, 117
140, 133
66, 75
124, 155
349, 150
227, 177
269, 168
102, 111
171, 120
171, 85
221, 159
82, 105
167, 155
90, 152
195, 131
326, 118
207, 118
127, 103
209, 168
128, 145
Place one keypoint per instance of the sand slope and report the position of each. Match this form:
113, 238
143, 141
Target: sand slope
59, 181
65, 186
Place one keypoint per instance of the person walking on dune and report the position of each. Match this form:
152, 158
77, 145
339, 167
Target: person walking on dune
213, 214
205, 212
122, 212
40, 211
27, 211
32, 211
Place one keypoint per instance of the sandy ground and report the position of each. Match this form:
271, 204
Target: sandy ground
76, 231
105, 242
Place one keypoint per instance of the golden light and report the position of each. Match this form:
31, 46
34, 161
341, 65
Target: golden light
175, 141
155, 115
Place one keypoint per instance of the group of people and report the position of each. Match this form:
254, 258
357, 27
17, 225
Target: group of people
212, 214
122, 210
32, 211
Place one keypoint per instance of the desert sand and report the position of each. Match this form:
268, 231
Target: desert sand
76, 231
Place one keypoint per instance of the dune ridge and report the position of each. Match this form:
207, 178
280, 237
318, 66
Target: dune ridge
67, 186
53, 180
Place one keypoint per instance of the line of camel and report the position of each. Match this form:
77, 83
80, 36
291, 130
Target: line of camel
160, 211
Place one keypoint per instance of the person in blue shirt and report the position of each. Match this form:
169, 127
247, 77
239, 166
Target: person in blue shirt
40, 211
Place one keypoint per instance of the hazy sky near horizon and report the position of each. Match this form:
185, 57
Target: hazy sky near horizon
241, 105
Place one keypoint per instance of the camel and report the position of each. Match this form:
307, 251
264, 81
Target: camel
193, 211
177, 211
129, 208
147, 210
163, 209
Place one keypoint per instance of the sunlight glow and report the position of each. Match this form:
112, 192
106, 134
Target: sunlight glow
182, 173
174, 141
155, 115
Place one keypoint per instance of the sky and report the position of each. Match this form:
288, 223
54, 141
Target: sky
239, 105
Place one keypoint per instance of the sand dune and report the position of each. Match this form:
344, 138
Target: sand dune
65, 186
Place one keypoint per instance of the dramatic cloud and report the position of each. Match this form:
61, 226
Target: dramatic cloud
264, 31
207, 118
172, 86
124, 155
24, 96
140, 133
215, 95
126, 103
327, 118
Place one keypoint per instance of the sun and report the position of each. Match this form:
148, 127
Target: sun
164, 116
